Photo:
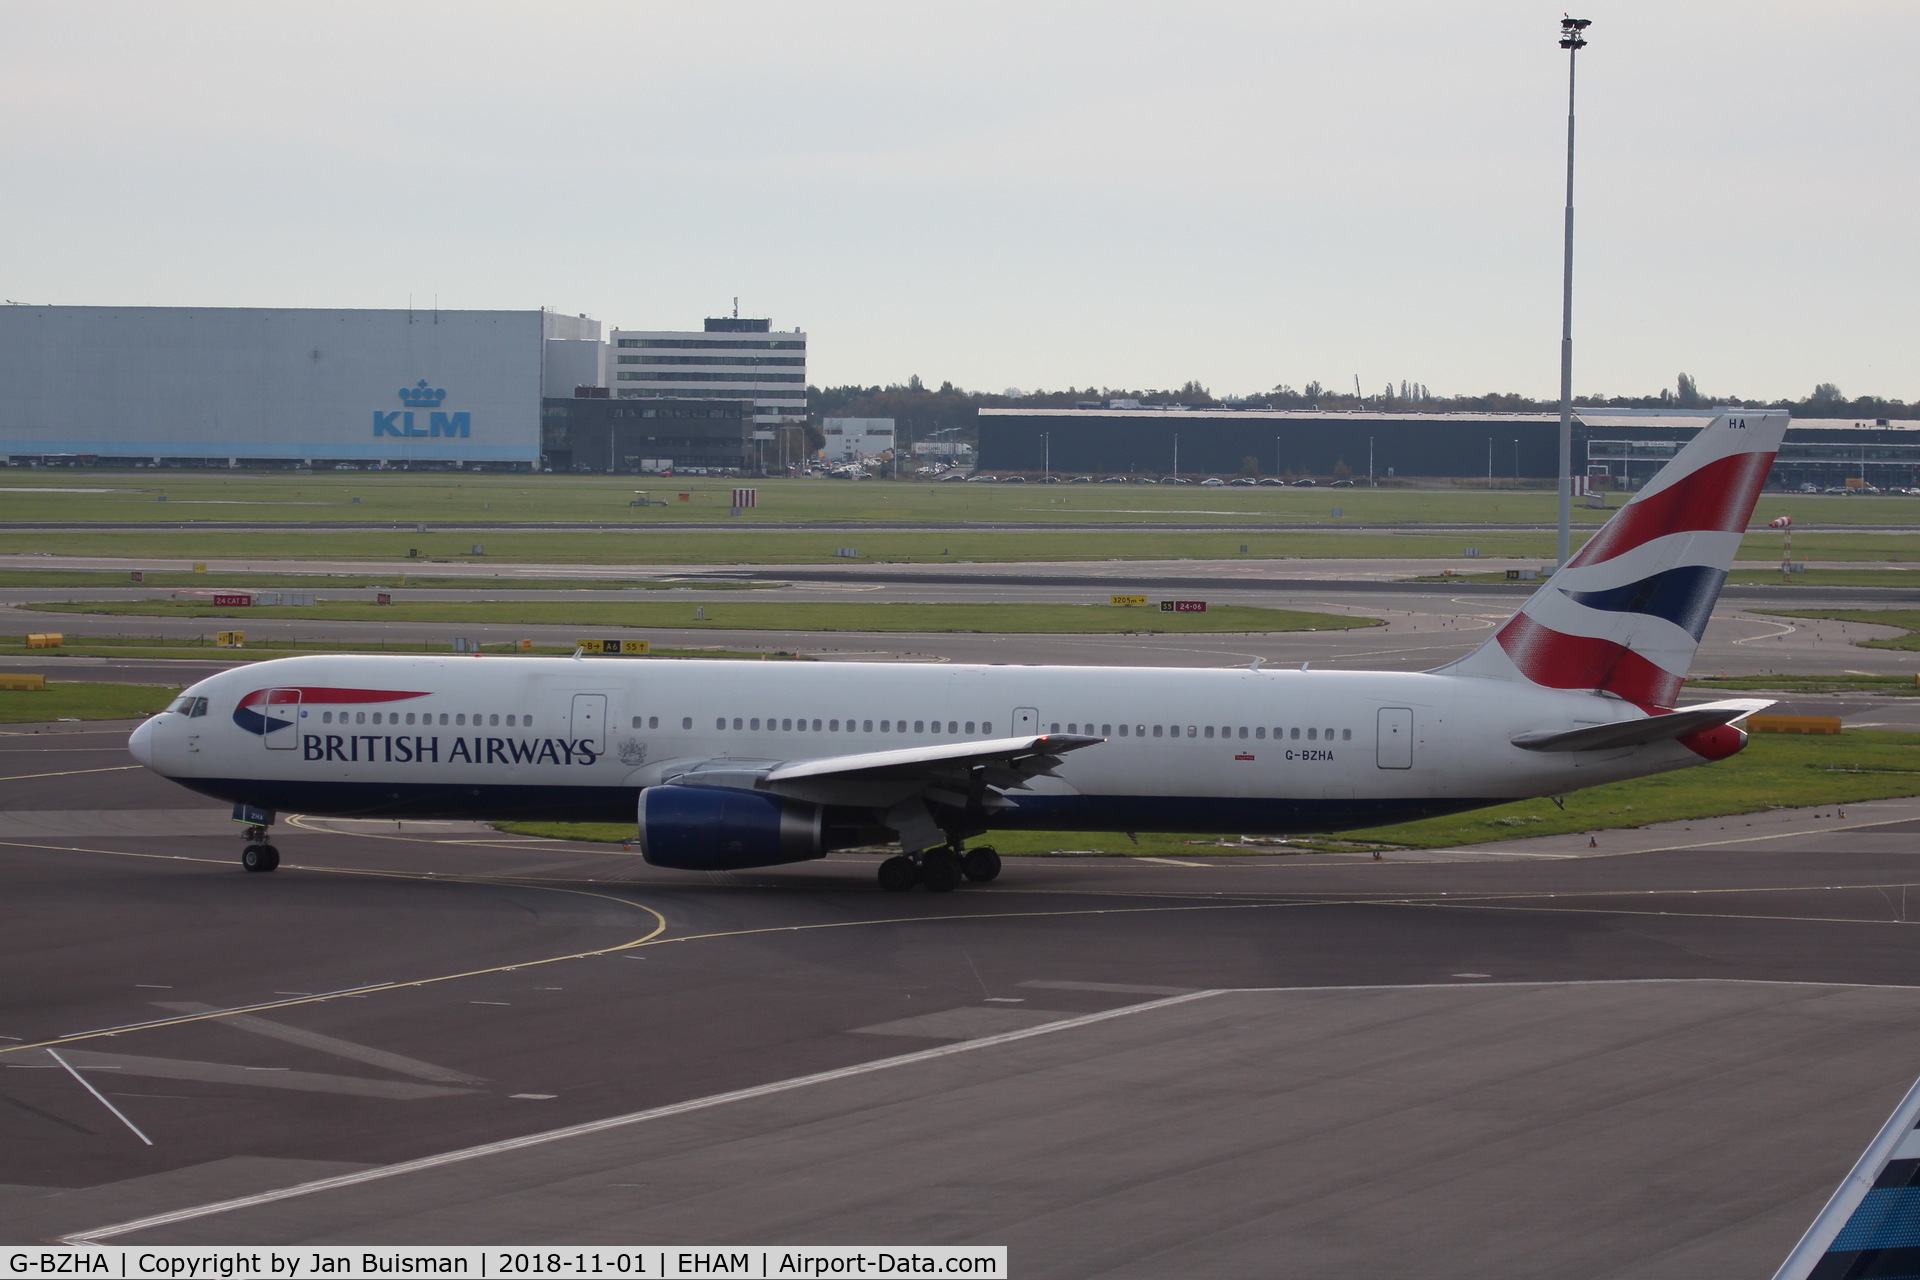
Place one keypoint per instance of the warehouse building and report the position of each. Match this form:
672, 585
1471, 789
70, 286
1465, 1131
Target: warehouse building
261, 386
1620, 448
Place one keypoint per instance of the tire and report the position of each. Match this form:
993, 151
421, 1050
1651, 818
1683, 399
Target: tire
273, 858
940, 872
981, 864
898, 874
255, 858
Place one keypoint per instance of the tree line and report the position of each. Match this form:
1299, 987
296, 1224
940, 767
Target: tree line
948, 412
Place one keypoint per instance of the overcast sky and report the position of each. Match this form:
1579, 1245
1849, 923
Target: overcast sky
1026, 194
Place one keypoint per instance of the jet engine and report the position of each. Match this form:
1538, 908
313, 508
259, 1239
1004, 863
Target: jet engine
724, 828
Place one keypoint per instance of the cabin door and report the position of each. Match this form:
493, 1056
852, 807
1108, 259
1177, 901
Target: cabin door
590, 719
1026, 720
1395, 750
281, 713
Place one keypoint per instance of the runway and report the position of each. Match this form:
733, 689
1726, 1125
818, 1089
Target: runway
1519, 1061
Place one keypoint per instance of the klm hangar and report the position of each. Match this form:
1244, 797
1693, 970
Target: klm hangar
285, 387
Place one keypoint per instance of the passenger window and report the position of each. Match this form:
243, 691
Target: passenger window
409, 717
1312, 734
326, 717
969, 726
953, 726
1209, 731
816, 726
869, 726
720, 723
493, 720
1156, 731
359, 717
1327, 734
1243, 731
1123, 731
885, 726
754, 723
376, 717
1346, 735
636, 722
1073, 726
443, 717
919, 726
1294, 733
1191, 731
686, 722
509, 722
987, 727
1260, 731
653, 722
833, 726
786, 726
460, 719
1054, 729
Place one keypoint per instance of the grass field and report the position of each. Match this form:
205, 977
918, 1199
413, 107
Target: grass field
411, 497
323, 581
1775, 771
999, 619
1760, 577
260, 650
81, 700
1892, 686
912, 546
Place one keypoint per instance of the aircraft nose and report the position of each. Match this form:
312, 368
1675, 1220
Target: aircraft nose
141, 743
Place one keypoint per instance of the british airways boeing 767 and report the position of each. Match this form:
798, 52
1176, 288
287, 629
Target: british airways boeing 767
729, 765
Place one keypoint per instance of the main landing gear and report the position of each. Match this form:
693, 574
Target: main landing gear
259, 855
939, 870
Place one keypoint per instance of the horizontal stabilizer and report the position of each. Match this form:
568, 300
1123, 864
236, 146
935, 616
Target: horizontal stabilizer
1637, 733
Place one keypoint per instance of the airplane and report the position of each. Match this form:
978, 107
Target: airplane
728, 765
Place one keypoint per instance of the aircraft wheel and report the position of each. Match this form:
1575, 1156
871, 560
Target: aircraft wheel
981, 864
940, 872
897, 874
273, 857
259, 857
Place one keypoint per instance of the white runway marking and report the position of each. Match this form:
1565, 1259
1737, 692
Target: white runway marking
614, 1122
101, 1097
394, 1062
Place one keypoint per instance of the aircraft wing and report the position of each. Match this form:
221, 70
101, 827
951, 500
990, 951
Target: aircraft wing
1871, 1226
1635, 733
900, 785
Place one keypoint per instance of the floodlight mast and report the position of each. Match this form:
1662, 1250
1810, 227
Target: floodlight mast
1572, 39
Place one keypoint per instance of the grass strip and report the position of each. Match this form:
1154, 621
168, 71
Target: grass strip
776, 547
1775, 771
296, 581
999, 619
83, 700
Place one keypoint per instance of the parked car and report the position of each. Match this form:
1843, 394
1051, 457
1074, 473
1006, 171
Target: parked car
1341, 484
1114, 480
1081, 480
1144, 480
980, 479
1173, 480
1303, 484
1274, 482
1050, 480
1213, 482
1013, 480
1243, 480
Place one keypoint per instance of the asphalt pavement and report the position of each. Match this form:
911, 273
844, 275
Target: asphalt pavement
1656, 1058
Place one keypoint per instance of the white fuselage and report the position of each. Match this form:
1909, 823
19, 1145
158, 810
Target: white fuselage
1183, 750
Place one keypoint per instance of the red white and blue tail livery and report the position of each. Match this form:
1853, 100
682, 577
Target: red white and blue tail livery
1625, 615
725, 765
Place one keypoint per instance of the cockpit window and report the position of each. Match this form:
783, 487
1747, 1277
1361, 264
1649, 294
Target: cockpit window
188, 707
199, 708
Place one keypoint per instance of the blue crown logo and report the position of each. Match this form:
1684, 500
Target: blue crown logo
422, 396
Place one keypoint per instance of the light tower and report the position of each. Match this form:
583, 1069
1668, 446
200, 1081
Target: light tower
1573, 40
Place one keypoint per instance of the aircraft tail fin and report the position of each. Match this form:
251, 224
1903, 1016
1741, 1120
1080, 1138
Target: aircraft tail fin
1626, 613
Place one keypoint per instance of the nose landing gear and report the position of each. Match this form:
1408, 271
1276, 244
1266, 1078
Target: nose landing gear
259, 855
939, 870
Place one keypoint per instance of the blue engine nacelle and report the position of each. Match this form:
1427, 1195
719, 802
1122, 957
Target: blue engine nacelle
723, 828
